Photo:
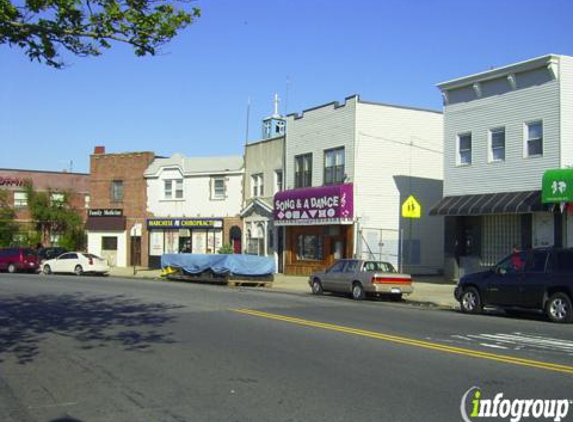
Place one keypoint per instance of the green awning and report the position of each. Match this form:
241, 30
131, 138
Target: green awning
557, 186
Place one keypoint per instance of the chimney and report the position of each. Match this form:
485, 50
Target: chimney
100, 149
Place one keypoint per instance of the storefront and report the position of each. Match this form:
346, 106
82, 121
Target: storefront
318, 224
183, 235
107, 235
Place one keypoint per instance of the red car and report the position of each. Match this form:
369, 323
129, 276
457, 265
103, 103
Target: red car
18, 259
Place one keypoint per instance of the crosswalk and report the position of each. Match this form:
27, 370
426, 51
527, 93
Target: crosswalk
518, 341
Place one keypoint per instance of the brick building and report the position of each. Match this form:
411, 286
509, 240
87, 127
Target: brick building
56, 183
118, 210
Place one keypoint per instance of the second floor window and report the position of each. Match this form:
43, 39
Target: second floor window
497, 139
117, 191
334, 166
303, 171
278, 181
218, 188
534, 133
57, 198
465, 149
20, 200
173, 189
257, 186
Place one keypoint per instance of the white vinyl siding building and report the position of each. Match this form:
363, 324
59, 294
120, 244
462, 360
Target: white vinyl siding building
389, 153
518, 117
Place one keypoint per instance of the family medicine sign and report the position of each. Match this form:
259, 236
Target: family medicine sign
314, 206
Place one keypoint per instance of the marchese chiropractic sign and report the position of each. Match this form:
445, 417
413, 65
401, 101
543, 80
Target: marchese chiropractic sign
314, 206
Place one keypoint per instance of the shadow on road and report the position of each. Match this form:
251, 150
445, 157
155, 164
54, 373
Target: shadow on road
92, 321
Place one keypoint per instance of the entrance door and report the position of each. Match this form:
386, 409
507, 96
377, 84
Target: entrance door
543, 230
135, 251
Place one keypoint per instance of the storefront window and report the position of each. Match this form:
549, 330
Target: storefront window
309, 247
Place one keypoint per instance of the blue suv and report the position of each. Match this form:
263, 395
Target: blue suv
537, 279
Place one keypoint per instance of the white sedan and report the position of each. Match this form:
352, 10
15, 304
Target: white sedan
76, 263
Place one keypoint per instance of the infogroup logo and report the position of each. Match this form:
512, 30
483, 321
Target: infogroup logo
515, 410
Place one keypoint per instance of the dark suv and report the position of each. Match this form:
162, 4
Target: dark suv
537, 279
18, 259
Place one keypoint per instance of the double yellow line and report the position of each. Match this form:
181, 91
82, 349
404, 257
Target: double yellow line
566, 369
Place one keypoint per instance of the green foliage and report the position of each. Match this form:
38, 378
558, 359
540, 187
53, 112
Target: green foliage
55, 217
226, 249
8, 227
85, 27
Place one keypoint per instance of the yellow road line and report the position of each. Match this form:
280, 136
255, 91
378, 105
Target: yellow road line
412, 342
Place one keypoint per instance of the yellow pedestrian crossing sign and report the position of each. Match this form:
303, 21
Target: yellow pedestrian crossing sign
411, 208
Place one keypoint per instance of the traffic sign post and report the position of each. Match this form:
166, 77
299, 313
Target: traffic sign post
411, 209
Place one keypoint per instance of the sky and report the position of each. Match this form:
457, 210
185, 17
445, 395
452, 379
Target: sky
192, 97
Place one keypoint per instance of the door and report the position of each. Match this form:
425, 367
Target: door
502, 285
535, 279
344, 281
135, 250
543, 230
331, 278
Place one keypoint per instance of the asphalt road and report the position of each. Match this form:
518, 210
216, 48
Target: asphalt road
99, 349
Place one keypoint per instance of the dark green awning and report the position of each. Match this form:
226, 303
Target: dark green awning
557, 186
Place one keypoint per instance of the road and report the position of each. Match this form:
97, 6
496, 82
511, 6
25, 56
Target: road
98, 349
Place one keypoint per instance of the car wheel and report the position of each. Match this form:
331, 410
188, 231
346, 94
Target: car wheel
12, 268
317, 287
78, 270
47, 270
559, 308
357, 291
470, 302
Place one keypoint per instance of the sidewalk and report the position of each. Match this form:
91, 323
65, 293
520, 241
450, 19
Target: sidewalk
433, 290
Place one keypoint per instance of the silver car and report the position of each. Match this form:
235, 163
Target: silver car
359, 278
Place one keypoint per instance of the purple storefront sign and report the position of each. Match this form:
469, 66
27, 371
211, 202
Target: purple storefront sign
314, 206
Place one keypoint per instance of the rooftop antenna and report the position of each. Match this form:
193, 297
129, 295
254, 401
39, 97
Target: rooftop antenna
286, 95
248, 118
276, 114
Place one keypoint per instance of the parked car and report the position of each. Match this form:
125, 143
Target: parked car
538, 280
52, 252
360, 278
18, 259
76, 263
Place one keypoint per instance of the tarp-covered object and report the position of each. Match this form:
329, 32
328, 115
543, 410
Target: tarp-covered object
247, 265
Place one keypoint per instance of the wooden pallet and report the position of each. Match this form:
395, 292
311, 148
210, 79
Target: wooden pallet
249, 283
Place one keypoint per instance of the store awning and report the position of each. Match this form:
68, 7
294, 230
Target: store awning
491, 203
557, 186
105, 223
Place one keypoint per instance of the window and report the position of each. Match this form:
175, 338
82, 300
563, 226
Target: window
497, 144
109, 243
309, 247
117, 191
87, 201
536, 262
278, 181
169, 186
562, 261
334, 166
337, 267
219, 189
20, 200
57, 198
534, 134
351, 267
303, 171
465, 149
257, 187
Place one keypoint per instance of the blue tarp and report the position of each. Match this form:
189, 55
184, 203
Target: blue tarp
247, 265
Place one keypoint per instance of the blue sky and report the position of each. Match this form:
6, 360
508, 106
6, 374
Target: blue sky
192, 97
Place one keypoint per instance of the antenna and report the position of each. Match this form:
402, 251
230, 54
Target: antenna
286, 95
248, 118
276, 114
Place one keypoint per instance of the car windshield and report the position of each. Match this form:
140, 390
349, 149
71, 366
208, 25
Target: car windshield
29, 252
385, 267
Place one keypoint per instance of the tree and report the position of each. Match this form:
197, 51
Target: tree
52, 214
85, 27
8, 228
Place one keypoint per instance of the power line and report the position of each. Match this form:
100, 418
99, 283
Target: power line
408, 144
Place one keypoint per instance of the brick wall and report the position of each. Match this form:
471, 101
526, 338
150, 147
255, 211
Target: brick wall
129, 168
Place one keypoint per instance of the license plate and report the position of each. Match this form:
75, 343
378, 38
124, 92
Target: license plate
395, 290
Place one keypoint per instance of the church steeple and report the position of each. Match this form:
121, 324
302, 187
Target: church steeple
274, 125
